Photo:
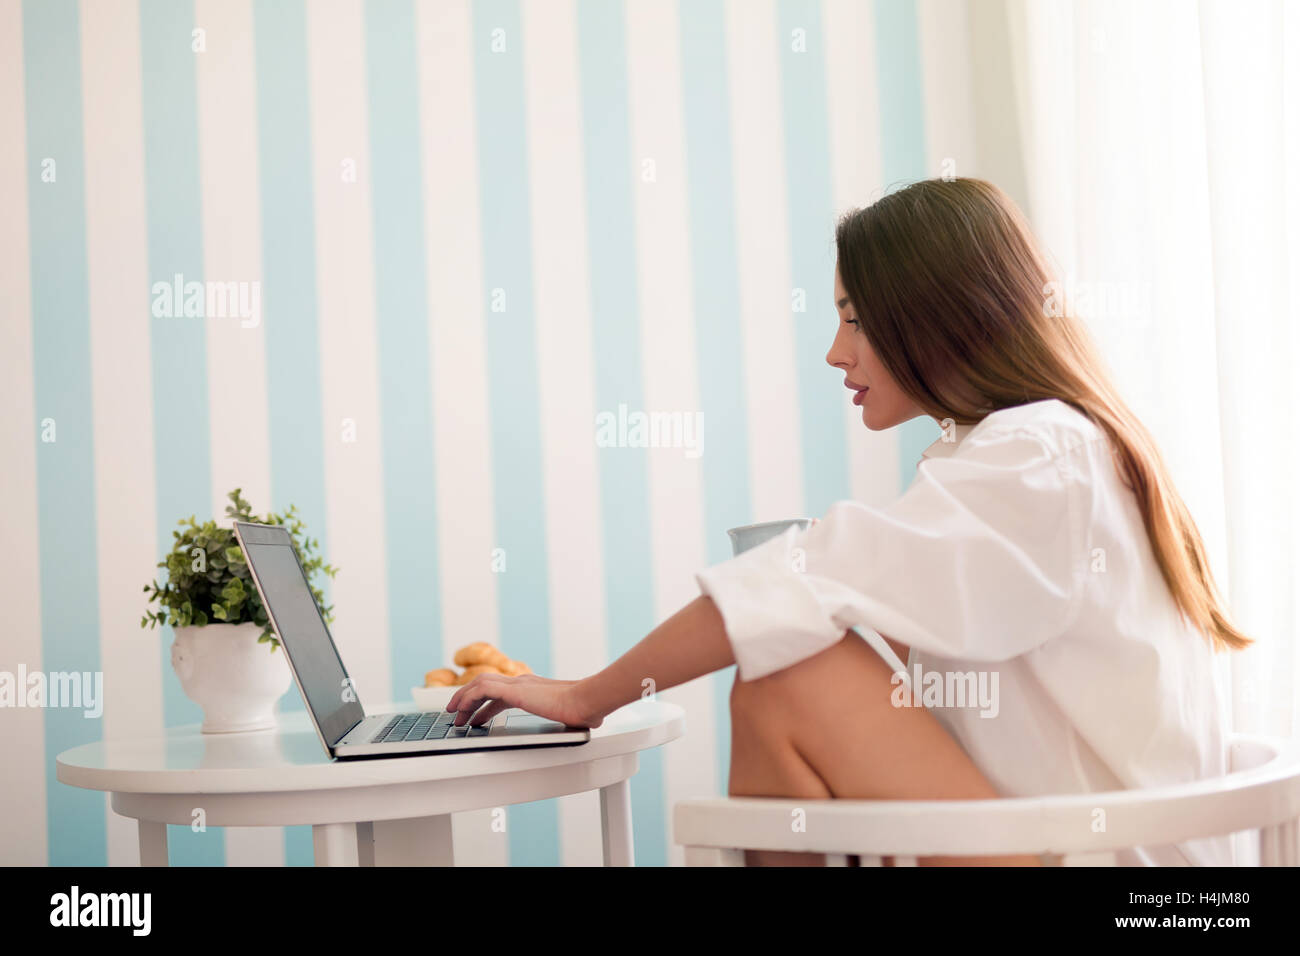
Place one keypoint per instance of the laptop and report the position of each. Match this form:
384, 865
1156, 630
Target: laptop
341, 722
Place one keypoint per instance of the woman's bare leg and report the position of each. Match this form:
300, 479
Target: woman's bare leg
766, 765
826, 727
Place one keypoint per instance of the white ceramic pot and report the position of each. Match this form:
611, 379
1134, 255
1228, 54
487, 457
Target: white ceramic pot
235, 679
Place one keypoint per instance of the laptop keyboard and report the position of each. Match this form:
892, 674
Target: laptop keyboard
434, 726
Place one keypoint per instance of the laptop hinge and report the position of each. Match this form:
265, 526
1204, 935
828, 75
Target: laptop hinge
344, 736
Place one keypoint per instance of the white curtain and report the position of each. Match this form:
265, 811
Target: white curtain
1162, 153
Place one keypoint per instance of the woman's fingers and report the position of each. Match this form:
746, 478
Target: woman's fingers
472, 696
521, 679
488, 694
487, 712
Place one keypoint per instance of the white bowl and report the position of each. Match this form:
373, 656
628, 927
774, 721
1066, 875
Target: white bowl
432, 698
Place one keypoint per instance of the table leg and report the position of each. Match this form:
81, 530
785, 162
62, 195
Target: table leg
153, 843
616, 823
335, 844
365, 844
414, 841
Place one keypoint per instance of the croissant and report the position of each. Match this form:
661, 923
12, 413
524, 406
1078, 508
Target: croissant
474, 670
480, 652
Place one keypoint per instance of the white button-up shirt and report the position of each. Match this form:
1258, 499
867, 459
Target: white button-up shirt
1016, 556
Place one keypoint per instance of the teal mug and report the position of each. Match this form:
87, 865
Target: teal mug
747, 536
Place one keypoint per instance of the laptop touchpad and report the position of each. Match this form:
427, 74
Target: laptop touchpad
532, 724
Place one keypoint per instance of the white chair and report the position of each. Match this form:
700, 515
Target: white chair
1260, 794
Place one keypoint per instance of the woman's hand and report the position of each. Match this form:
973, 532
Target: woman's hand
488, 694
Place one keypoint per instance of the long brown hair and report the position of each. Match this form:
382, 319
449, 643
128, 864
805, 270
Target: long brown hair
958, 301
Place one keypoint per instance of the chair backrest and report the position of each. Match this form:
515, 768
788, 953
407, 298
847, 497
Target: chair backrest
1258, 799
1251, 752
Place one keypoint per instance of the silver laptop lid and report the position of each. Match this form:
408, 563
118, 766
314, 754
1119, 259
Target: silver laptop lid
317, 668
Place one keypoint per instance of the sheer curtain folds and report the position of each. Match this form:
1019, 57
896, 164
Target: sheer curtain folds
1162, 149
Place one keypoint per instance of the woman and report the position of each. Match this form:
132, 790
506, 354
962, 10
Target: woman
1042, 553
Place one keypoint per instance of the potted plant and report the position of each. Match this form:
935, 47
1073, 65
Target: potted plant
219, 622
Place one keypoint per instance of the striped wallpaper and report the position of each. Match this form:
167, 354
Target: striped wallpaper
471, 228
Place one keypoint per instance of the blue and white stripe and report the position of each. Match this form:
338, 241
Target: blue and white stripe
557, 209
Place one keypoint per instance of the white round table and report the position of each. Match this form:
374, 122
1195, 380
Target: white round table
283, 777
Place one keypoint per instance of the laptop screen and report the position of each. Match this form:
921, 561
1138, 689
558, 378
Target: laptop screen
302, 630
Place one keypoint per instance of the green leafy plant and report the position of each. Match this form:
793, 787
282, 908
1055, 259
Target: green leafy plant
208, 581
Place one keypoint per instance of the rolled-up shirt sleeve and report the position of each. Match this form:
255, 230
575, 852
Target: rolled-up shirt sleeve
980, 559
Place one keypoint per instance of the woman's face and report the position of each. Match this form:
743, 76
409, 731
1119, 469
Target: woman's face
883, 403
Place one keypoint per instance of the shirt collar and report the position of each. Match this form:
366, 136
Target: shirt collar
947, 442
